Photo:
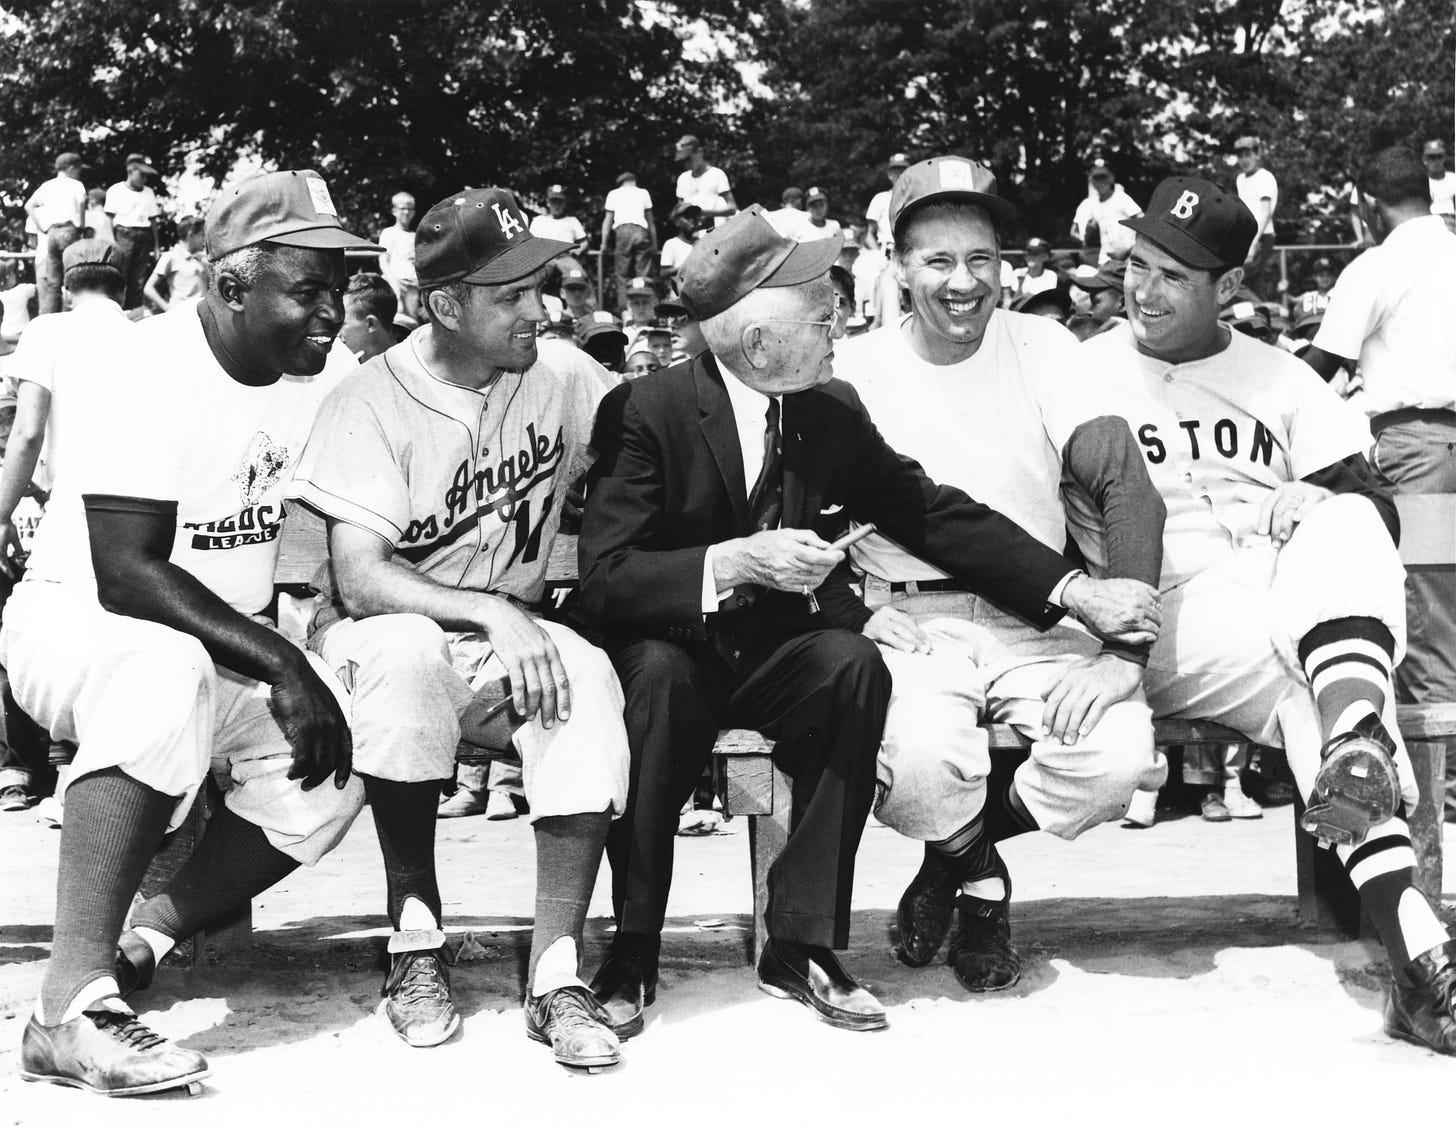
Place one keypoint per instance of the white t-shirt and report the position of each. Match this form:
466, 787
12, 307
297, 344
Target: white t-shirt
789, 222
131, 207
178, 428
397, 263
1026, 284
706, 190
100, 223
59, 200
828, 231
1443, 195
994, 425
628, 204
1394, 309
71, 355
567, 229
467, 485
1116, 240
1254, 188
878, 213
675, 252
1217, 435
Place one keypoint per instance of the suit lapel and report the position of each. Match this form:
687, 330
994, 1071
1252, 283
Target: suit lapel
720, 430
798, 418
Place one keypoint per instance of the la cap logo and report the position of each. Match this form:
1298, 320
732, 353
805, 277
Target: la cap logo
510, 226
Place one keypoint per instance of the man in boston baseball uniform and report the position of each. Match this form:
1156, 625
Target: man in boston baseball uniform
991, 401
1283, 610
441, 469
136, 632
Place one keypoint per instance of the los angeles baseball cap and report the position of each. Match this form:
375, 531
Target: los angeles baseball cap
946, 178
1198, 223
292, 208
744, 254
479, 235
556, 192
93, 252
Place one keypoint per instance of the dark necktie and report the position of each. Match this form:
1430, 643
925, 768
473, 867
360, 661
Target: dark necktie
766, 502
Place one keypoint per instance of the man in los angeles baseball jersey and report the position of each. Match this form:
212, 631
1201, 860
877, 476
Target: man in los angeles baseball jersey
135, 632
1282, 588
441, 468
991, 401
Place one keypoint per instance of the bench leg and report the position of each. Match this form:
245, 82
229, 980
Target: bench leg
1327, 899
767, 836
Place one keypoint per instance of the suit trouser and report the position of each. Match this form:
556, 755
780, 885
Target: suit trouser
821, 697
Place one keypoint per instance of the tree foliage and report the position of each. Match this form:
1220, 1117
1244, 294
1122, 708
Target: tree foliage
433, 94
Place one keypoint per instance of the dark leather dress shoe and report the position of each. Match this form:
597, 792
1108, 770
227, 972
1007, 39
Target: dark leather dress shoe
1422, 1003
813, 976
925, 912
623, 990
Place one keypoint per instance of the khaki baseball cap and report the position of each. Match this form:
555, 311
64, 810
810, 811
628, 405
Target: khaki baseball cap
1434, 149
946, 178
744, 254
479, 235
292, 208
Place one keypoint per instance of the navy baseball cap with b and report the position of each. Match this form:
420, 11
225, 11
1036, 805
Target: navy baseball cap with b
291, 208
744, 254
1198, 223
946, 178
479, 235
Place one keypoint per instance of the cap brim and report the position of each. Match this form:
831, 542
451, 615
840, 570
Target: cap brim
1001, 211
522, 260
1177, 242
805, 262
321, 238
593, 333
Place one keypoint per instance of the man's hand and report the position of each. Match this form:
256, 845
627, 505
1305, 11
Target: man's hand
314, 726
1078, 698
786, 559
896, 629
538, 678
12, 558
1116, 610
1286, 506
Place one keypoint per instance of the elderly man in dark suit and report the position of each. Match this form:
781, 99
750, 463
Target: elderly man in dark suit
701, 564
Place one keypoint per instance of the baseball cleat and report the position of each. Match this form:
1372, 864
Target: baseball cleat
1421, 1007
924, 914
576, 1027
981, 953
108, 1052
1357, 786
135, 963
417, 998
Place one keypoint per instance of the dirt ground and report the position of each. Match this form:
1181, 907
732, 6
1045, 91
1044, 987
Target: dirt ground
1166, 977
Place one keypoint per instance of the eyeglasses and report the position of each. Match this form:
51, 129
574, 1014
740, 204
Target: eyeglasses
827, 326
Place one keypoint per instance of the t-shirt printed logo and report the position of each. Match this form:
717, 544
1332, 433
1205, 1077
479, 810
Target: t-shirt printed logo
261, 469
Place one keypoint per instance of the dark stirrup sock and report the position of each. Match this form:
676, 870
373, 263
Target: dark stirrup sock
404, 817
233, 863
1005, 814
1348, 662
568, 854
968, 854
113, 827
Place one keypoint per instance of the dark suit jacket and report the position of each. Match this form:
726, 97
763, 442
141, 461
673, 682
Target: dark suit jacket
668, 483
